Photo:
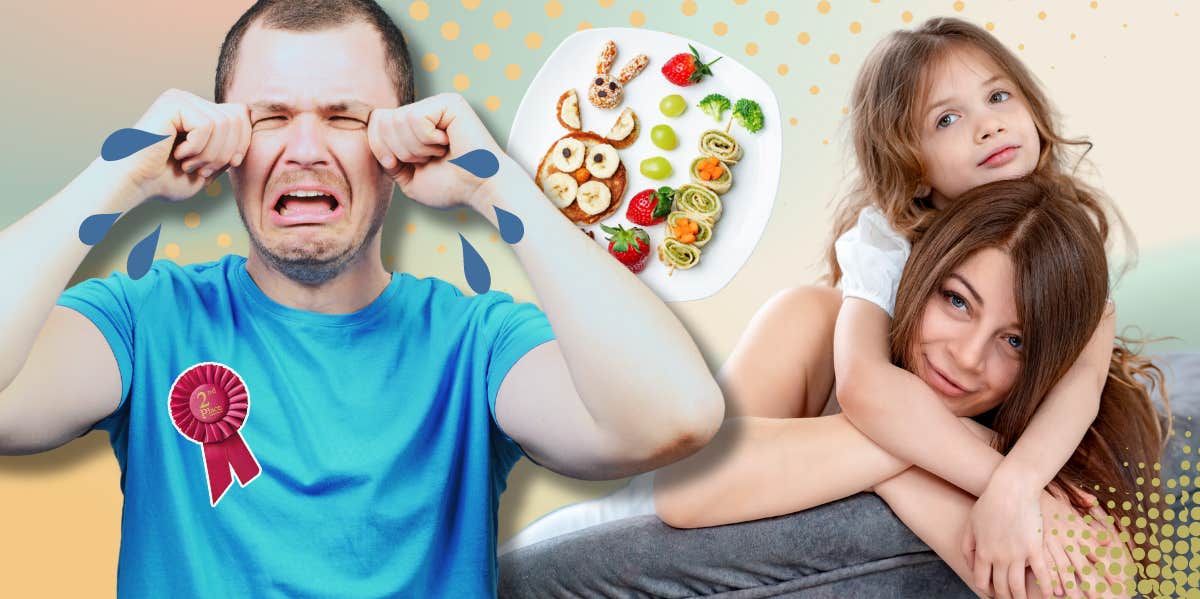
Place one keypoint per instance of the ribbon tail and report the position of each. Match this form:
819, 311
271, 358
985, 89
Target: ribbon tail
217, 465
244, 464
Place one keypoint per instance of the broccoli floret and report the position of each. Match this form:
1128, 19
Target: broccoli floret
748, 114
715, 105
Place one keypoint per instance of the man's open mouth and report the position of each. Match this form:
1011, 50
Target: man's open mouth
305, 206
305, 203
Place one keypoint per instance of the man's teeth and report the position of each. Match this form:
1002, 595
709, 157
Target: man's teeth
303, 193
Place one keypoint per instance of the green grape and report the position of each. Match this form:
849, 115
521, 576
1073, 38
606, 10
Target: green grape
672, 105
656, 168
663, 136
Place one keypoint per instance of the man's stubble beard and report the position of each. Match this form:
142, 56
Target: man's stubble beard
310, 268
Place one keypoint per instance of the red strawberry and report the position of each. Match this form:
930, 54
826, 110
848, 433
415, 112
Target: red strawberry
650, 207
630, 246
686, 69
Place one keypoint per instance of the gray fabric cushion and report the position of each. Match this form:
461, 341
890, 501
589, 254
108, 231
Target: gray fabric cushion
855, 547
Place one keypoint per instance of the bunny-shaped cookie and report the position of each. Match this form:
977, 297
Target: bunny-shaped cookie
605, 92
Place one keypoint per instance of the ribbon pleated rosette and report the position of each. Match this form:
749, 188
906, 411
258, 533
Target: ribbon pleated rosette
209, 404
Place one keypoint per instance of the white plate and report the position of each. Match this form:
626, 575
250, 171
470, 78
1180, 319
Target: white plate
747, 206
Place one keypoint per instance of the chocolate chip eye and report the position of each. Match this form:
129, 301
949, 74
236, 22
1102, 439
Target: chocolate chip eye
612, 85
599, 81
566, 152
602, 94
598, 158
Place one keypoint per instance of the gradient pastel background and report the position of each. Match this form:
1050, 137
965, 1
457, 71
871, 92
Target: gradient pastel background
1120, 72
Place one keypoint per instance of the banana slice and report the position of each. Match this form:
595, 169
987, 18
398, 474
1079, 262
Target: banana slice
594, 197
624, 131
568, 154
561, 188
568, 111
602, 161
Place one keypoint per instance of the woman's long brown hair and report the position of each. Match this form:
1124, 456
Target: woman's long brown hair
888, 94
1061, 288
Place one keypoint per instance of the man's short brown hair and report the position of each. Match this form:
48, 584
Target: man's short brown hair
317, 15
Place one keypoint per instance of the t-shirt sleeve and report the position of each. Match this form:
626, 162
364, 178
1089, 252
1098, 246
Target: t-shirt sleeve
106, 303
872, 256
520, 328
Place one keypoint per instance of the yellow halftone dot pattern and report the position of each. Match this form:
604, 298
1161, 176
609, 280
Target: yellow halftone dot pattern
191, 220
1042, 15
823, 7
171, 250
213, 189
470, 4
461, 82
834, 58
533, 41
814, 90
554, 9
224, 240
450, 30
856, 27
990, 26
441, 249
1020, 46
804, 38
419, 11
637, 18
410, 228
906, 16
751, 48
430, 61
482, 51
688, 8
583, 25
492, 103
1072, 36
512, 71
959, 6
461, 216
739, 2
502, 19
845, 110
772, 17
1095, 4
495, 237
605, 3
720, 28
782, 69
794, 121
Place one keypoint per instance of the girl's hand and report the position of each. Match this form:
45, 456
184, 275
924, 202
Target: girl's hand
1004, 533
1071, 543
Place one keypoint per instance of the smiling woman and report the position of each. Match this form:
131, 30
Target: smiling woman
998, 300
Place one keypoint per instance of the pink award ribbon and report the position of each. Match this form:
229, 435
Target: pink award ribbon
209, 403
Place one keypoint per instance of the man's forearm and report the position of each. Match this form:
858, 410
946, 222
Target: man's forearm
633, 364
41, 252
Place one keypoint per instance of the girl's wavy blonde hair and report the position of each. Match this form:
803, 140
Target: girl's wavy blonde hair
889, 94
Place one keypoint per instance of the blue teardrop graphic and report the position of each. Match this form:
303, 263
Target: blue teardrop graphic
126, 142
142, 255
511, 227
481, 163
96, 226
478, 275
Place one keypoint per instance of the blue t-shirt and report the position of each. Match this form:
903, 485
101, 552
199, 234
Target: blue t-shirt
381, 463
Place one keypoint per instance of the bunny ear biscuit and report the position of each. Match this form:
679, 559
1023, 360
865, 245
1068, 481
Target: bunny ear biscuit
633, 67
608, 55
